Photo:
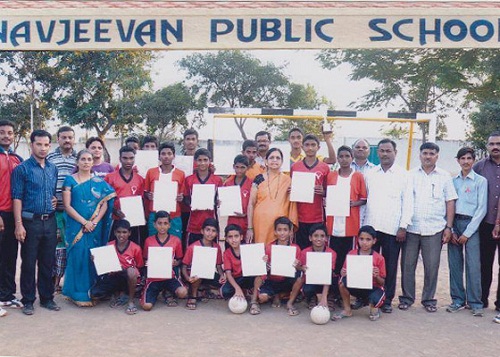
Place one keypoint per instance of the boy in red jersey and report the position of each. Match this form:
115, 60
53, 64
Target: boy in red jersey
155, 286
166, 153
272, 286
130, 257
202, 176
240, 165
310, 213
367, 237
210, 231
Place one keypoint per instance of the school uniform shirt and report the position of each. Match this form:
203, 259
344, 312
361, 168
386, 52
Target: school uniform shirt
245, 188
134, 186
269, 249
312, 212
188, 257
347, 226
303, 256
172, 241
130, 257
254, 170
232, 262
197, 218
378, 262
152, 177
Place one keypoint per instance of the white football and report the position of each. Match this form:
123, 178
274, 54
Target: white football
237, 305
320, 315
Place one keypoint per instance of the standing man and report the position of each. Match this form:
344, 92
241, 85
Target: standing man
34, 185
8, 242
433, 212
64, 157
389, 210
361, 151
189, 142
149, 142
489, 168
263, 139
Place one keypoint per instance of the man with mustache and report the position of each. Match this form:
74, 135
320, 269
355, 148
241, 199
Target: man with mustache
263, 139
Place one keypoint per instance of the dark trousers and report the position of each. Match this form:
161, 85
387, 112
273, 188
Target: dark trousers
8, 258
38, 250
390, 250
185, 234
341, 246
302, 235
488, 246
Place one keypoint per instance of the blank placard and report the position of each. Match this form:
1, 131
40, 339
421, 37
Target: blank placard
204, 262
338, 201
303, 187
203, 197
160, 261
133, 209
252, 259
165, 196
359, 271
105, 259
230, 200
282, 259
319, 268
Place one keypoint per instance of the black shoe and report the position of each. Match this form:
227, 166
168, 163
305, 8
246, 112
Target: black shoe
386, 309
51, 305
28, 309
358, 304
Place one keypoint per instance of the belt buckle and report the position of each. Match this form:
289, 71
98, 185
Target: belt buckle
44, 217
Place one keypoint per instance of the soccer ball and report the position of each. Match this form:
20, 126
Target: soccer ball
320, 315
237, 305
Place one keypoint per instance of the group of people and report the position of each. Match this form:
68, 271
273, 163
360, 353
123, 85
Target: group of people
61, 204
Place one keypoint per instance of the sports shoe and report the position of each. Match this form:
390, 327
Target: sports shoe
455, 307
386, 308
13, 304
478, 312
2, 312
497, 319
28, 309
51, 305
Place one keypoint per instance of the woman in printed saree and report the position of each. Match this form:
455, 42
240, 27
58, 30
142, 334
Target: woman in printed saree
269, 199
88, 201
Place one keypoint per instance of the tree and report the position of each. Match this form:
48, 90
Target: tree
101, 88
235, 79
484, 122
419, 80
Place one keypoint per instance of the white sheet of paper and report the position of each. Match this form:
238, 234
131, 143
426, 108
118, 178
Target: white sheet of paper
203, 197
319, 268
230, 200
282, 258
303, 187
133, 209
359, 271
160, 261
338, 200
252, 262
105, 259
184, 163
204, 261
144, 160
165, 196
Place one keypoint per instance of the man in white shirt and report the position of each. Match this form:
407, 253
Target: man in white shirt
389, 210
361, 151
433, 212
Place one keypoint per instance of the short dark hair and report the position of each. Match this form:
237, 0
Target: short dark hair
233, 227
317, 226
7, 123
248, 144
93, 139
132, 139
263, 132
125, 149
241, 159
64, 129
344, 148
387, 141
121, 223
211, 222
310, 137
294, 130
161, 214
166, 145
38, 134
190, 132
429, 146
271, 150
368, 229
204, 152
149, 139
466, 150
283, 220
494, 133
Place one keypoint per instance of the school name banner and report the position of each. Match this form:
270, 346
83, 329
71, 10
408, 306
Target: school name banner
109, 25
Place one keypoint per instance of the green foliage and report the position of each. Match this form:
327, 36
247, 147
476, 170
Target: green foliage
484, 122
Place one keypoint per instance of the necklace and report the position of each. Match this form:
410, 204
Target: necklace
269, 187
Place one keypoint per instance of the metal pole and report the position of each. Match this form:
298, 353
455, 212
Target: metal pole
410, 144
31, 115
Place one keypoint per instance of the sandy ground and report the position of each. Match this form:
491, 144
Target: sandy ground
213, 330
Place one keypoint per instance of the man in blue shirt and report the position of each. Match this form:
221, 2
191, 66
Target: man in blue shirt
34, 200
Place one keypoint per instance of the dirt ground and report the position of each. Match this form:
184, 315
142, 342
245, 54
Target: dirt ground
213, 330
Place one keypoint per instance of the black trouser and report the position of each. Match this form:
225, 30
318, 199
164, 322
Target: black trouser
302, 235
39, 248
390, 250
488, 246
9, 246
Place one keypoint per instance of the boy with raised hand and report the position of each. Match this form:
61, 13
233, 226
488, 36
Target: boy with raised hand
154, 286
367, 236
310, 213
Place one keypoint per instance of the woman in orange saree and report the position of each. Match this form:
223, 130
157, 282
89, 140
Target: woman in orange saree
269, 199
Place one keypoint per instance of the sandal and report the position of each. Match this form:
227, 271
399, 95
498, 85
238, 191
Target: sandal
374, 315
292, 311
131, 309
171, 301
430, 308
254, 308
403, 306
119, 301
276, 302
340, 316
191, 303
312, 303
